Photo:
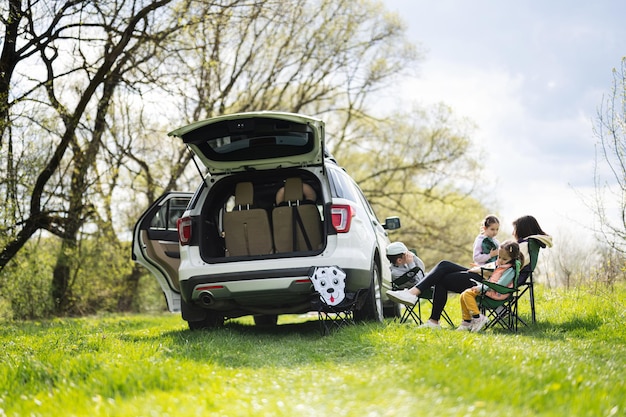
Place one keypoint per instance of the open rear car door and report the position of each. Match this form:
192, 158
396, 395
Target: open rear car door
155, 243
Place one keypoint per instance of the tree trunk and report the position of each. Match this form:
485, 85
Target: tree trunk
130, 290
8, 61
60, 284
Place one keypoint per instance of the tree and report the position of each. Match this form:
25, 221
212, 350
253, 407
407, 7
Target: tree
317, 56
108, 41
420, 165
573, 262
610, 167
82, 113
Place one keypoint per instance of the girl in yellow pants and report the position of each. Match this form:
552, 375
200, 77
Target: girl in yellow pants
503, 274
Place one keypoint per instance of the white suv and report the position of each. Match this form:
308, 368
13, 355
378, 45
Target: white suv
273, 206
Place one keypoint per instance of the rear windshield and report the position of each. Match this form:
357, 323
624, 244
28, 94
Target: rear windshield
258, 138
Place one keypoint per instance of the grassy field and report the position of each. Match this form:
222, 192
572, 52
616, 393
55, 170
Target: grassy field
572, 363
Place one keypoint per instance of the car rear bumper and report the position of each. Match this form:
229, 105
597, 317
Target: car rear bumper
277, 290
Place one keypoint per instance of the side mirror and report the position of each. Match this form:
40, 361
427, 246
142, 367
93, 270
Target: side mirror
392, 223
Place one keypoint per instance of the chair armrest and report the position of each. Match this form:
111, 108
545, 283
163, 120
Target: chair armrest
494, 286
407, 276
499, 288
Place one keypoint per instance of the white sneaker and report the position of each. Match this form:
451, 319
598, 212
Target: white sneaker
402, 297
479, 323
430, 325
464, 328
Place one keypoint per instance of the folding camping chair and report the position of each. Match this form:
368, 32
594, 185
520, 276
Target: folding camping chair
411, 277
504, 312
526, 283
335, 306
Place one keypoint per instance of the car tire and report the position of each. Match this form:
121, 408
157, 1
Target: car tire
266, 320
392, 311
372, 308
200, 318
212, 320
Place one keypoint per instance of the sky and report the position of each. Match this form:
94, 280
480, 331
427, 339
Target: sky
532, 76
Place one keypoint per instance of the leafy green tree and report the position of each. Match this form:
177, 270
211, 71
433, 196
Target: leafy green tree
90, 89
421, 166
256, 56
71, 95
316, 57
26, 295
158, 64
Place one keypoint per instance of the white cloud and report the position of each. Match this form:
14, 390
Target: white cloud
523, 73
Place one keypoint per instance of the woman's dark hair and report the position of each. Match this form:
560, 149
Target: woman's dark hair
527, 226
512, 247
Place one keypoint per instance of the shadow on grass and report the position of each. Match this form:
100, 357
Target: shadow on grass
307, 329
575, 327
247, 345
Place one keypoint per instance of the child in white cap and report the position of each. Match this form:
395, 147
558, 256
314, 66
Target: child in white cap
402, 262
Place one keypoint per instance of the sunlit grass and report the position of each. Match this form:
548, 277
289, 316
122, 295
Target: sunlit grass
572, 363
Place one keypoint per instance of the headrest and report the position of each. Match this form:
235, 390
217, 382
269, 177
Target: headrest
244, 194
295, 190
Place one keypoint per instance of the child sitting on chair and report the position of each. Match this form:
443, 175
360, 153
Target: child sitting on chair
406, 268
486, 245
503, 274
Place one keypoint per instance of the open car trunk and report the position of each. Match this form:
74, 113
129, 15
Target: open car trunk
263, 227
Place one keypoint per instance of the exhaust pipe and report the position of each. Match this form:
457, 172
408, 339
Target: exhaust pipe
206, 298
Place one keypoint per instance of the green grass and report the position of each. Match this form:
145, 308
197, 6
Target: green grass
572, 363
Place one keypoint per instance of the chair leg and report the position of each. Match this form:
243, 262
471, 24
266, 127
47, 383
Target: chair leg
409, 312
331, 318
513, 316
531, 295
447, 318
503, 315
321, 318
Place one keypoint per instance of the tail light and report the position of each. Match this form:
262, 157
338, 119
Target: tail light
342, 217
184, 230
